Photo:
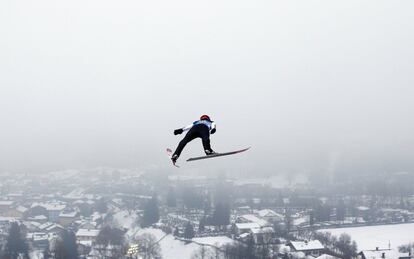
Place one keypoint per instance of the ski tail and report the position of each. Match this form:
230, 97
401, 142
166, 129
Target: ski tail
170, 154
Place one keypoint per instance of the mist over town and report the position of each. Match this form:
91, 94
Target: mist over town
93, 93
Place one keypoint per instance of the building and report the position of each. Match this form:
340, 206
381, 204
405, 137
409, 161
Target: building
326, 256
262, 235
383, 254
17, 212
5, 206
270, 215
40, 219
311, 247
50, 227
363, 212
84, 234
38, 240
250, 218
246, 227
54, 211
66, 218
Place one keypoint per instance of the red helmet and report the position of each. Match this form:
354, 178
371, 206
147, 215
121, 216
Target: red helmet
205, 117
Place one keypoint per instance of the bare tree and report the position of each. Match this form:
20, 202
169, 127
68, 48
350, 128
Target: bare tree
204, 253
148, 246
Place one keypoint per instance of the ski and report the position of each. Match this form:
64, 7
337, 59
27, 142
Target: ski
218, 155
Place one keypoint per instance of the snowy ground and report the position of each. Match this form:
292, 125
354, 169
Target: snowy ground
378, 236
277, 181
175, 249
126, 219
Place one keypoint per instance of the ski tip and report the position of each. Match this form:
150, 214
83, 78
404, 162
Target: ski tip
244, 149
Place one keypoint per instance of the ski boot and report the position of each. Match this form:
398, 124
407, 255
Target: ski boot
174, 158
210, 152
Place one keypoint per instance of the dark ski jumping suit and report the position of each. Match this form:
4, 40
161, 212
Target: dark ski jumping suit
199, 129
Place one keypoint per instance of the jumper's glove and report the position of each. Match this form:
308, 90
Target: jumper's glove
213, 131
178, 131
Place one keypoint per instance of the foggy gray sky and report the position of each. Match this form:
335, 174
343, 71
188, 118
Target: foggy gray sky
310, 85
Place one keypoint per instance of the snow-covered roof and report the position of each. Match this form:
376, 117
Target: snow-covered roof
21, 209
50, 206
216, 240
31, 223
75, 194
71, 214
244, 235
247, 225
90, 202
37, 236
300, 220
269, 213
262, 230
88, 224
362, 208
307, 245
96, 216
326, 256
86, 243
383, 254
55, 207
39, 217
6, 203
253, 218
48, 226
45, 225
83, 232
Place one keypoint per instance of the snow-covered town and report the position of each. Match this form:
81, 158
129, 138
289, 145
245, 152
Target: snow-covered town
183, 129
114, 213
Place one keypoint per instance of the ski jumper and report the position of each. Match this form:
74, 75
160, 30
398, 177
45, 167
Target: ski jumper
199, 129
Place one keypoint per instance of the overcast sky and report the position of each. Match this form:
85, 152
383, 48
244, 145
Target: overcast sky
310, 85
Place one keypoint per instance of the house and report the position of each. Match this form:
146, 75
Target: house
311, 247
17, 212
383, 254
243, 209
31, 226
50, 227
67, 217
54, 210
84, 234
5, 206
40, 219
85, 207
326, 256
51, 210
87, 224
246, 227
38, 240
262, 235
363, 212
250, 218
36, 210
15, 196
270, 215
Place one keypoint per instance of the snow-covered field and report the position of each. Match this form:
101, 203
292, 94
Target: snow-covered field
378, 236
175, 249
276, 181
